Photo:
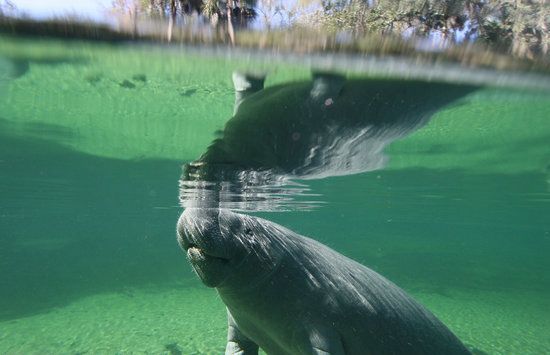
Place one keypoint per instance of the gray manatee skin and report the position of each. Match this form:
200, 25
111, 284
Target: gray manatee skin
289, 294
324, 127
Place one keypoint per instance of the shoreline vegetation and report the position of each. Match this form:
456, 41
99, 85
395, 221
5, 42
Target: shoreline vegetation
438, 31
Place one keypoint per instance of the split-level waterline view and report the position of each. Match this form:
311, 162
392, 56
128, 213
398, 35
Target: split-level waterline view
274, 177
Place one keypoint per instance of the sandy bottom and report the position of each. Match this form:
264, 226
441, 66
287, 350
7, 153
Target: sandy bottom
509, 322
191, 320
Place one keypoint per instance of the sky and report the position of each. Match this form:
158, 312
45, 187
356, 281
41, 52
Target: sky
92, 9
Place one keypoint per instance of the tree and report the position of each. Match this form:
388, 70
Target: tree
520, 26
7, 8
230, 12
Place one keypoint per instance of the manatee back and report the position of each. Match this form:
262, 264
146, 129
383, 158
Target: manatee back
312, 288
373, 313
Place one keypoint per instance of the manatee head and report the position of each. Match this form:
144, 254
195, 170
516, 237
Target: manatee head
228, 249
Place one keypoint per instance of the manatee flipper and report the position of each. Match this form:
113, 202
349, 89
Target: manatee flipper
321, 342
246, 84
237, 342
326, 86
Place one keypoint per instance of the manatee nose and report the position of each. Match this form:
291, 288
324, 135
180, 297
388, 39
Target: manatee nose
183, 238
194, 224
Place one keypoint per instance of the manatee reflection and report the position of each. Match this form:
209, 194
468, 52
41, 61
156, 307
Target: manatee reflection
248, 194
329, 126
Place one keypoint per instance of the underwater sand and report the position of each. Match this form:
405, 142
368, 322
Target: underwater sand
192, 319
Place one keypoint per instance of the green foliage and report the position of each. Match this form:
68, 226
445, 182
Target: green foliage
517, 26
390, 16
210, 8
177, 9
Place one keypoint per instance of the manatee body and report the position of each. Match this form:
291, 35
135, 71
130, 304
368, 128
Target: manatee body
289, 294
324, 127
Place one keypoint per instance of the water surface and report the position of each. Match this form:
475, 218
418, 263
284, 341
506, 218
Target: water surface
92, 140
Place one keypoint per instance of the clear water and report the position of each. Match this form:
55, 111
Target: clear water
92, 140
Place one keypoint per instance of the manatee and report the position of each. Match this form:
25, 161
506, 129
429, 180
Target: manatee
289, 294
327, 126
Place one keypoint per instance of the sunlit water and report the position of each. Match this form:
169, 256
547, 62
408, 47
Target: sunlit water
92, 141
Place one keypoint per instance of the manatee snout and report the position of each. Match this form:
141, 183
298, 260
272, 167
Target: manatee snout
207, 250
195, 225
225, 246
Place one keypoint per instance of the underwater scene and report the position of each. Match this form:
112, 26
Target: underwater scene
115, 157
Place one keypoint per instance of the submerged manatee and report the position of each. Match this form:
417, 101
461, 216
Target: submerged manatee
289, 294
328, 126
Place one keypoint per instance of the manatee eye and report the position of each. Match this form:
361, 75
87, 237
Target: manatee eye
248, 232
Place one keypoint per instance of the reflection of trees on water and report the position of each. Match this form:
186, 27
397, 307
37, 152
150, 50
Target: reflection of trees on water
229, 12
242, 10
7, 8
520, 27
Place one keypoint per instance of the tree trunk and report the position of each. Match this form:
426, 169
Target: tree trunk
230, 30
543, 22
171, 19
135, 21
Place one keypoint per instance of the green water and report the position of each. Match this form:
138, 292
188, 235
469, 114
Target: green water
92, 139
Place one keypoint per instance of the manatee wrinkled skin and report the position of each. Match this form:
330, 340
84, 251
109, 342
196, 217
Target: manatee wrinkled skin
289, 294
